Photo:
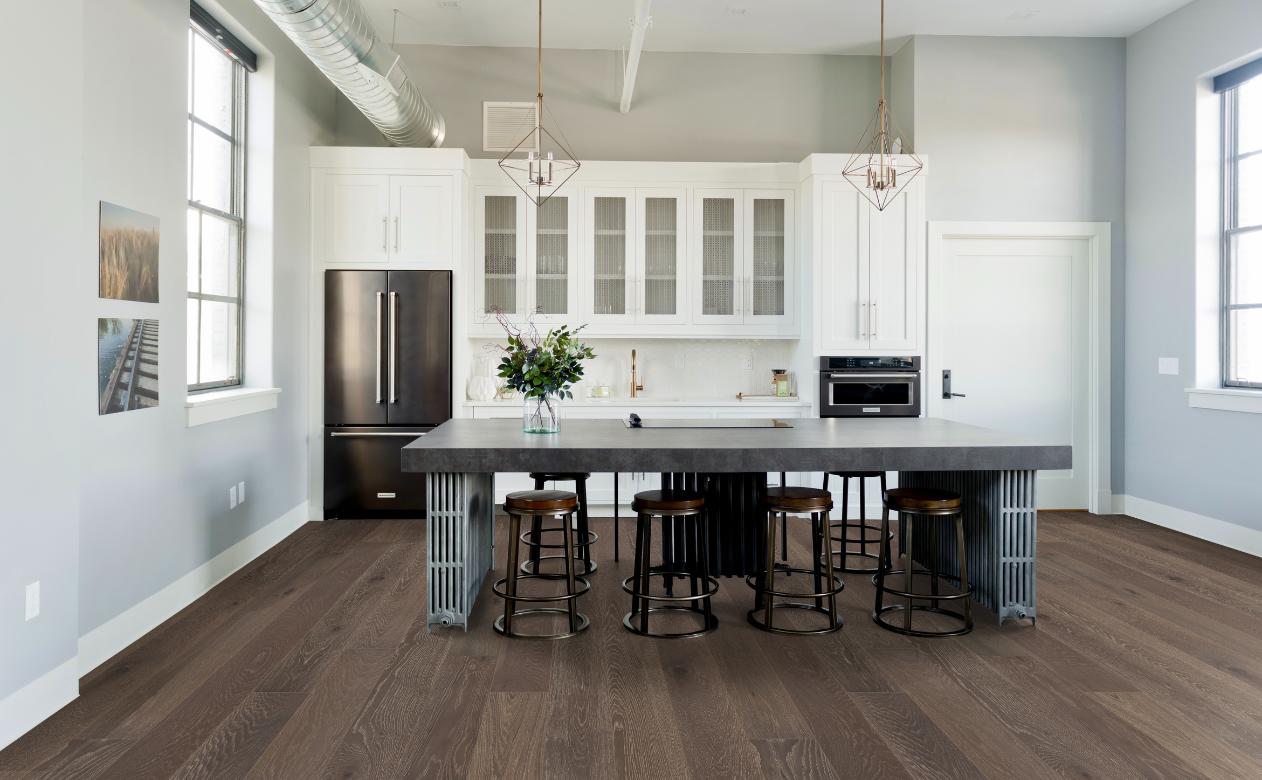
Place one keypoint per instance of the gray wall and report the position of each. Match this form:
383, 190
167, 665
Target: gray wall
154, 492
106, 511
699, 107
902, 93
1029, 129
47, 352
1195, 459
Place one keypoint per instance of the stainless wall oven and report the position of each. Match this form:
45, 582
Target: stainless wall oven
869, 386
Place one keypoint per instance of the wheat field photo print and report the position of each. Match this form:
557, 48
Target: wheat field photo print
129, 254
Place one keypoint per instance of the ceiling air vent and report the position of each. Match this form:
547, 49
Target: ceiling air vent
505, 124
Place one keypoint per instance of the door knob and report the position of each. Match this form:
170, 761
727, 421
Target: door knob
946, 387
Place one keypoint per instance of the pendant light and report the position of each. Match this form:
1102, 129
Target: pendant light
548, 163
876, 171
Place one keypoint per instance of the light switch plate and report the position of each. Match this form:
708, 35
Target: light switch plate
1168, 366
232, 497
241, 492
32, 600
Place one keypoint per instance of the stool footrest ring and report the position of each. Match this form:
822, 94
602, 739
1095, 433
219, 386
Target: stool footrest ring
583, 624
879, 619
754, 616
632, 623
838, 585
498, 589
711, 588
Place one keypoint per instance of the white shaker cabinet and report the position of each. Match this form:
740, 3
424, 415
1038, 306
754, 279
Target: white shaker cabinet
387, 218
868, 270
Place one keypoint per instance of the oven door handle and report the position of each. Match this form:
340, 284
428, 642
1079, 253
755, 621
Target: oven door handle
909, 376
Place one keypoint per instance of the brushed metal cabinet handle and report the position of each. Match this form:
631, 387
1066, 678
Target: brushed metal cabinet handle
872, 319
863, 318
375, 434
385, 233
394, 345
381, 297
396, 233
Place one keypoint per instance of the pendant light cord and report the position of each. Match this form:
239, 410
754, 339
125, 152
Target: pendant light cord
539, 68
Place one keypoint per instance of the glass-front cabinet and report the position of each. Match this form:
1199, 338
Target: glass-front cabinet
661, 256
610, 220
525, 256
744, 257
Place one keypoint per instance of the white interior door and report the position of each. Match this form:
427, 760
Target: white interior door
1010, 321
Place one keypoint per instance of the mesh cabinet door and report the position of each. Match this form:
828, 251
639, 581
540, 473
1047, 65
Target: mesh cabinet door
660, 255
719, 244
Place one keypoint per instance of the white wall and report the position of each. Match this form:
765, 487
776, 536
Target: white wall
1197, 460
47, 351
107, 511
1028, 129
698, 107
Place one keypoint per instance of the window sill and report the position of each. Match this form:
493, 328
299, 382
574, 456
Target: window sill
1227, 399
219, 405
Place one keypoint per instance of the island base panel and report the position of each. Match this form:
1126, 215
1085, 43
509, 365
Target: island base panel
1000, 529
459, 544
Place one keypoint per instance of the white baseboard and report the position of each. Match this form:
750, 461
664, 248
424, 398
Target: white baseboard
27, 707
107, 640
1236, 537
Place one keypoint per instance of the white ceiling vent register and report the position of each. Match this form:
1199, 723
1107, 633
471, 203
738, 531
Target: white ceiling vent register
505, 124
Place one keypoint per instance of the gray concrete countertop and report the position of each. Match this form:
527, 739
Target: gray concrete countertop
889, 444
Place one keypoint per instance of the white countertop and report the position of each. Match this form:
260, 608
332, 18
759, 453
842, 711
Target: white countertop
648, 401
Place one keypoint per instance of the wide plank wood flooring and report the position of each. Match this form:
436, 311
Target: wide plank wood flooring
314, 661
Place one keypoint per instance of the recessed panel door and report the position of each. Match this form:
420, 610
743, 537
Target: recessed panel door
356, 216
422, 230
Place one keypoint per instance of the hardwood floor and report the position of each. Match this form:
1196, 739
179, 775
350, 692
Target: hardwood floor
315, 662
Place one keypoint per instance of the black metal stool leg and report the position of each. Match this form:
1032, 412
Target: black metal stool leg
964, 587
616, 541
819, 543
510, 587
909, 566
845, 519
933, 560
580, 488
784, 530
646, 562
834, 619
886, 563
571, 588
770, 571
703, 523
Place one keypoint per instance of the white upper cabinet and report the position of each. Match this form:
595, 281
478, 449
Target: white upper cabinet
356, 218
661, 256
744, 269
610, 226
869, 269
500, 238
552, 262
421, 217
387, 218
770, 273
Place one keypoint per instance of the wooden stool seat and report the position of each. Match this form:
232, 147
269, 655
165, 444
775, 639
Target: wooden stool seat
920, 500
540, 502
668, 501
797, 499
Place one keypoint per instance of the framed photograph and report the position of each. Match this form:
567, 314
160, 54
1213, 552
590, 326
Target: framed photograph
128, 254
126, 364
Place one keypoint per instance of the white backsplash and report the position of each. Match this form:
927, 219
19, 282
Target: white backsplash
684, 369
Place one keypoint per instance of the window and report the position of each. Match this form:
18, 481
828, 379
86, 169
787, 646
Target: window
217, 67
1242, 227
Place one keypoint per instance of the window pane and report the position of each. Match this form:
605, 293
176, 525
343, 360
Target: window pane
1245, 347
212, 169
218, 341
219, 256
1249, 191
1245, 280
194, 240
1249, 107
212, 84
191, 340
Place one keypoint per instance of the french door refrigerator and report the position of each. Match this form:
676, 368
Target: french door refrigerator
387, 380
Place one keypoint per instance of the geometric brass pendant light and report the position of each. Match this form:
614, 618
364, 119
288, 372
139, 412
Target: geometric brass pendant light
548, 164
875, 170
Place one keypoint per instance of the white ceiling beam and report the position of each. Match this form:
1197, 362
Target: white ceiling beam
639, 26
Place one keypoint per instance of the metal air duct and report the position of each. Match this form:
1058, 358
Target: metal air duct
337, 36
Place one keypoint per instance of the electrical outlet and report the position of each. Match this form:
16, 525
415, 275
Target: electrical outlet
1168, 365
32, 600
232, 497
241, 492
748, 363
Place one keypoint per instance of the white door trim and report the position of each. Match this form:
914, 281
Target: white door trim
1098, 238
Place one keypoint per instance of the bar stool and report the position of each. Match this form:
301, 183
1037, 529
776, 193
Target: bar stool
818, 503
540, 504
535, 536
867, 534
924, 506
688, 507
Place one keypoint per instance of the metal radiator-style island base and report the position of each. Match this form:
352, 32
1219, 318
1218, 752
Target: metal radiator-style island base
993, 471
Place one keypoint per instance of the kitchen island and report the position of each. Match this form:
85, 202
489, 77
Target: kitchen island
993, 471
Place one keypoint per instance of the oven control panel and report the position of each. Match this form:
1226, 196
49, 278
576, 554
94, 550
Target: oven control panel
865, 363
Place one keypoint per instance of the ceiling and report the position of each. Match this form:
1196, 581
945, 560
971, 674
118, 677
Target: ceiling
765, 26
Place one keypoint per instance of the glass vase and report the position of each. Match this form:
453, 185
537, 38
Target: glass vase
541, 414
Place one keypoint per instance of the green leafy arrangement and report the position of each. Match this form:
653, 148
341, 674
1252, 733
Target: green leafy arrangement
539, 366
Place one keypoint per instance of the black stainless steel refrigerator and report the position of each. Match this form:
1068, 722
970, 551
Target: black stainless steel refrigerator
387, 380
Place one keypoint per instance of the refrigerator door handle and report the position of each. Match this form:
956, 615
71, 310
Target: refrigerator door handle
381, 297
370, 434
394, 338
